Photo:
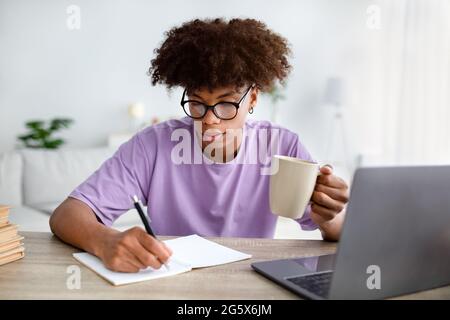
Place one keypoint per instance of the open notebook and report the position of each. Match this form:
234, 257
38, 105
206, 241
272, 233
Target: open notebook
188, 253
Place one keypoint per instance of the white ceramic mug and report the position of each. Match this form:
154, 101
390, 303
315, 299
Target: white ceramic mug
292, 183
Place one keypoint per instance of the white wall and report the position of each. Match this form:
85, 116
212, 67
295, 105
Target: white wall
92, 74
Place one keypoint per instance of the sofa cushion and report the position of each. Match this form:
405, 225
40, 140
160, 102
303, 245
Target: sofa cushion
11, 179
49, 176
46, 207
29, 219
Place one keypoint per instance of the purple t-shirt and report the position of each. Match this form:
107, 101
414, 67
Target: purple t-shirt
185, 192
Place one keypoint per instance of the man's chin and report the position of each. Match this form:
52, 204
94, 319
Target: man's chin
217, 144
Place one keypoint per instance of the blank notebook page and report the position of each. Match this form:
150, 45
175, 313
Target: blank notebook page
199, 252
188, 252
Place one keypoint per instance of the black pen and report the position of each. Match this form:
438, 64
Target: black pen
145, 221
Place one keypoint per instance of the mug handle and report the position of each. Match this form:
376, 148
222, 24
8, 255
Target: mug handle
320, 173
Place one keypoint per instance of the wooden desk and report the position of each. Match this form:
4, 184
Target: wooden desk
42, 274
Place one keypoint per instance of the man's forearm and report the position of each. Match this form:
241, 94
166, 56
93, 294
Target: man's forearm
75, 223
331, 230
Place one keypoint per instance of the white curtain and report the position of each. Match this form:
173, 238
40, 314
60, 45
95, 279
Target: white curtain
403, 101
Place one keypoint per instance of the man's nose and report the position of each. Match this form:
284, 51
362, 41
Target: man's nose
210, 118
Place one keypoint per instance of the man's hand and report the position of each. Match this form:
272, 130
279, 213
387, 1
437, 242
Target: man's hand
328, 202
132, 250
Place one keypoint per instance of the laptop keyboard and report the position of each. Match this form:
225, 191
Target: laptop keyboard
318, 283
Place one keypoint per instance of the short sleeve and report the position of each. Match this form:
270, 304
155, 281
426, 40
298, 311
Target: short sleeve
109, 190
298, 150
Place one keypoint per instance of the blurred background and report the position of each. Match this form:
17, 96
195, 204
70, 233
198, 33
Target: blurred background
370, 84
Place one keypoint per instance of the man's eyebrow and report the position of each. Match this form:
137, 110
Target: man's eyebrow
226, 94
197, 96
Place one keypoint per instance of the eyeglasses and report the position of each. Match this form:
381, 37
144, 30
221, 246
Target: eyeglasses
223, 110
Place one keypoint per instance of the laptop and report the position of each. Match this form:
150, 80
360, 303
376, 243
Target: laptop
395, 239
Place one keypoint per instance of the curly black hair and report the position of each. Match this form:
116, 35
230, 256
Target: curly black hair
213, 53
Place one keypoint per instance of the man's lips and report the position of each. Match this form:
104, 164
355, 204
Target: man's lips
210, 135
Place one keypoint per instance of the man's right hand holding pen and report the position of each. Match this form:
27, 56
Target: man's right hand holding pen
132, 250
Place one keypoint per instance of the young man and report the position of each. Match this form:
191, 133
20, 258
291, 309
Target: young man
194, 174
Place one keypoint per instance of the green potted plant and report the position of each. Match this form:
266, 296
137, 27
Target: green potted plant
40, 133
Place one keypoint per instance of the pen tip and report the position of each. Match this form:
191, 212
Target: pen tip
135, 198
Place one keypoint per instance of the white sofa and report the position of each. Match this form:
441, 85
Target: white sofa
34, 182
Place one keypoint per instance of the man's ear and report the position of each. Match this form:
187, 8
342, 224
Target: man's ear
254, 97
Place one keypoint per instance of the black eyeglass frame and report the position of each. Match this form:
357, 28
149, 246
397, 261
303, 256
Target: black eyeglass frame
213, 107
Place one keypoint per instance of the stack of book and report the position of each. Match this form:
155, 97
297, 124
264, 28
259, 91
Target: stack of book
11, 246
